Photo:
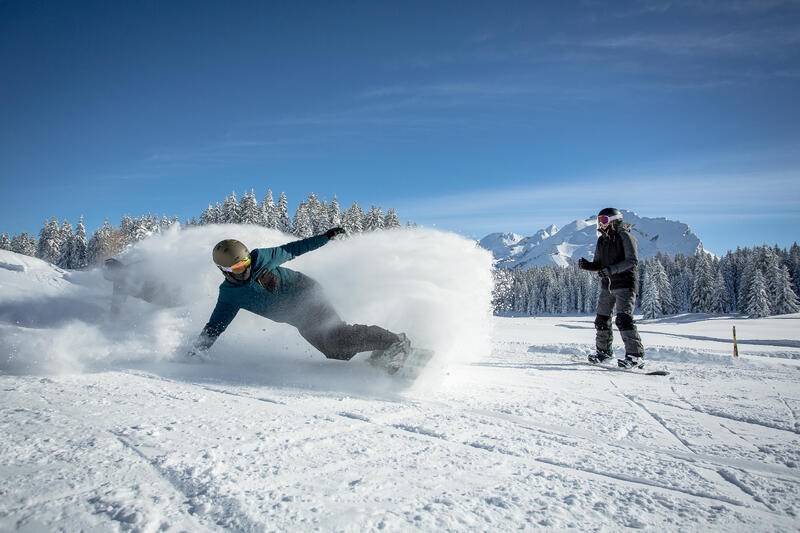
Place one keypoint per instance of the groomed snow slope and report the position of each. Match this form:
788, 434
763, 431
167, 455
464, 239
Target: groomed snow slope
521, 435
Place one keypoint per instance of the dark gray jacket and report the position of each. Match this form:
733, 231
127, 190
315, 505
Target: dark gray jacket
617, 251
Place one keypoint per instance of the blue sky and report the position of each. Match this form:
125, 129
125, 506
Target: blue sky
473, 117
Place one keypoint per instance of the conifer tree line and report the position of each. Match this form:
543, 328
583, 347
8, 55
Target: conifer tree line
68, 247
757, 282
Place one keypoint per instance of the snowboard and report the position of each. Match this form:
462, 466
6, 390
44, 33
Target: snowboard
611, 364
414, 363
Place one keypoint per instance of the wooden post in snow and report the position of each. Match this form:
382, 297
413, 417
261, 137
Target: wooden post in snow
735, 346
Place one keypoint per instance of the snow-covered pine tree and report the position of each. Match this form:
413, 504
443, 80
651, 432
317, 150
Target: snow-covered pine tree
728, 268
126, 228
785, 300
101, 246
282, 220
391, 221
352, 220
207, 217
249, 212
312, 207
16, 243
24, 244
49, 246
5, 242
651, 297
794, 267
302, 222
661, 280
268, 218
334, 213
373, 220
502, 292
702, 284
165, 224
80, 251
139, 230
719, 297
746, 274
680, 282
65, 259
757, 298
151, 223
230, 210
323, 222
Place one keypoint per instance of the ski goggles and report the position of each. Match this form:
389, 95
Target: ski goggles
605, 220
237, 268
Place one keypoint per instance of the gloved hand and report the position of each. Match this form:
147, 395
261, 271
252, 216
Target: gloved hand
333, 232
605, 272
585, 264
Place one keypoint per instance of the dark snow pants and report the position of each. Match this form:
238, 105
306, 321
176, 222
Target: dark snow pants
327, 332
625, 301
318, 322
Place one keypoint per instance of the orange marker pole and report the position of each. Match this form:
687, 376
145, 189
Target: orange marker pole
735, 346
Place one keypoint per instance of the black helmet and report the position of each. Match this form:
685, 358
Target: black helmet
607, 216
610, 212
233, 259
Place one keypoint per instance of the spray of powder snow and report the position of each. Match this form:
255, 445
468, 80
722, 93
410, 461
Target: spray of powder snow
433, 286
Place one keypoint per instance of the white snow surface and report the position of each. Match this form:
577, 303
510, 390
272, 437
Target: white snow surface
553, 246
105, 428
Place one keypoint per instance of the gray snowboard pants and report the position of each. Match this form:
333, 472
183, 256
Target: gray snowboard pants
310, 311
625, 301
320, 324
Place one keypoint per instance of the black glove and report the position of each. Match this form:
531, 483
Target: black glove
605, 272
333, 232
587, 265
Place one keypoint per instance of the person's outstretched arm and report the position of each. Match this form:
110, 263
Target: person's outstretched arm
290, 250
221, 318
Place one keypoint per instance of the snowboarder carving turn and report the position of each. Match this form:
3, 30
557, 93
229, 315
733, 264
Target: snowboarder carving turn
615, 260
255, 281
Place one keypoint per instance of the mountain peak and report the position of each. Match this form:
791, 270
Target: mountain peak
553, 246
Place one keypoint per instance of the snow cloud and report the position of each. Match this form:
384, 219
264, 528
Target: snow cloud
433, 286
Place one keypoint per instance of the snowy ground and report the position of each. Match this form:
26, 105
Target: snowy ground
520, 436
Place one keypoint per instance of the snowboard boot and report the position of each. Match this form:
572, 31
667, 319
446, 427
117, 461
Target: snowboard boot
631, 361
600, 356
393, 357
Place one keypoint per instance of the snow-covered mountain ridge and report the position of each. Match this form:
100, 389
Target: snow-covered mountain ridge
577, 239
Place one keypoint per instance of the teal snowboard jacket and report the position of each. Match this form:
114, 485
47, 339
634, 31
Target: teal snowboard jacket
272, 291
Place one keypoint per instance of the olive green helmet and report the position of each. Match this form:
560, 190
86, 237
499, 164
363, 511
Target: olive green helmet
229, 252
233, 259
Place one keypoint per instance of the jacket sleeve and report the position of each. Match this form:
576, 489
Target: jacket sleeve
594, 264
290, 250
221, 318
630, 246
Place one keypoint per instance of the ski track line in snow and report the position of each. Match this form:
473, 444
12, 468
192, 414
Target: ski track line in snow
733, 480
630, 481
654, 416
743, 420
727, 478
422, 432
777, 471
165, 475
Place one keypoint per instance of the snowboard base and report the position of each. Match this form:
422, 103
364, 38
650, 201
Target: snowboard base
611, 364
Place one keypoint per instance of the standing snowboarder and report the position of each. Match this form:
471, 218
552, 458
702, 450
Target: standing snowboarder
254, 281
615, 260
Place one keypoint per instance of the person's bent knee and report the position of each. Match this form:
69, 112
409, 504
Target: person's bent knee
602, 322
625, 321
